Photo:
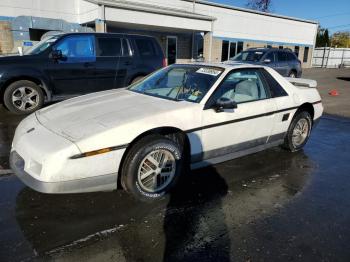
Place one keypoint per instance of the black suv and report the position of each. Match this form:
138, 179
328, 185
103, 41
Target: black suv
68, 65
284, 61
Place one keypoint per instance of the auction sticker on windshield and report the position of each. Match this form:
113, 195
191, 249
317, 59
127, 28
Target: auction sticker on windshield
208, 71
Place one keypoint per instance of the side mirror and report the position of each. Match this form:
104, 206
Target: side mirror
267, 61
56, 54
224, 103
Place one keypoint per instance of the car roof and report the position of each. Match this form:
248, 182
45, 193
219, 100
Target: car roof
266, 49
104, 34
224, 65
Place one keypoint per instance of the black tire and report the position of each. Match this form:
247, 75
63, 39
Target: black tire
137, 79
288, 140
134, 159
15, 106
293, 74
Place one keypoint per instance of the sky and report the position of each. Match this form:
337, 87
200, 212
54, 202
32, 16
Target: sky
334, 15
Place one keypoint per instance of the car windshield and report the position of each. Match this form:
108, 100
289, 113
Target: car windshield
42, 45
249, 56
179, 82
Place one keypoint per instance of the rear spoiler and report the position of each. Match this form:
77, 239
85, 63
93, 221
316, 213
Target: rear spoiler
302, 82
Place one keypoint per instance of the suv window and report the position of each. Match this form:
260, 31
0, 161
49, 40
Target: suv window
126, 48
77, 48
282, 56
243, 85
145, 47
290, 56
109, 46
275, 88
271, 56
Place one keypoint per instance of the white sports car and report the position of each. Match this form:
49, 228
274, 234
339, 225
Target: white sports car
142, 136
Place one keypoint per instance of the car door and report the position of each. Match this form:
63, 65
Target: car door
247, 126
108, 52
282, 63
73, 74
127, 67
270, 59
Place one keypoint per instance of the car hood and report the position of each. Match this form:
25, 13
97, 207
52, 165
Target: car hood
86, 116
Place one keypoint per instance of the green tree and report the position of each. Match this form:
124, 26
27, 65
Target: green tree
341, 39
260, 5
326, 38
322, 38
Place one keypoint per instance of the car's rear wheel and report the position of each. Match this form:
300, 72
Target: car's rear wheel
152, 167
23, 97
298, 132
292, 74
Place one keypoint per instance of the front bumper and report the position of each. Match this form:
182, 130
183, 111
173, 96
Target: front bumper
42, 160
92, 184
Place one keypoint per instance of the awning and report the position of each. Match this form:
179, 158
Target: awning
154, 15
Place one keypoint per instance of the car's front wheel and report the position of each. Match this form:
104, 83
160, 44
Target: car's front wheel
152, 167
298, 132
23, 97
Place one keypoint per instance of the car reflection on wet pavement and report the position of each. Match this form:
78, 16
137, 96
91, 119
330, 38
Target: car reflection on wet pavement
270, 206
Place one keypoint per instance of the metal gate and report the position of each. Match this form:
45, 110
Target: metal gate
328, 57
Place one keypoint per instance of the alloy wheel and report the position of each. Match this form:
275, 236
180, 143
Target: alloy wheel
156, 170
25, 98
300, 132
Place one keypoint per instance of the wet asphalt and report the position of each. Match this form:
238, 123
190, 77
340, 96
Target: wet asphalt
270, 206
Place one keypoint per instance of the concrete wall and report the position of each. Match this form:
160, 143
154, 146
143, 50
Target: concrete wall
61, 9
233, 23
6, 40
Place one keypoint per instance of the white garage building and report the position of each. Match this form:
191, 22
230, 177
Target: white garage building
186, 29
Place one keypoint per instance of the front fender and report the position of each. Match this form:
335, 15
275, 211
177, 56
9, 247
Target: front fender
24, 73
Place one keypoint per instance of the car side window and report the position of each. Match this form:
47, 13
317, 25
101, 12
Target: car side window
291, 57
126, 48
109, 46
271, 56
77, 48
281, 56
243, 85
145, 47
276, 90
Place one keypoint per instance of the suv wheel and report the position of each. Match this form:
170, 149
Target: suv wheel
152, 167
292, 74
23, 97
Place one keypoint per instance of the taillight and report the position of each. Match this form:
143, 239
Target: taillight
165, 63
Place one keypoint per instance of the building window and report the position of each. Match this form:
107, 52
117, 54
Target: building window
233, 49
199, 46
296, 50
224, 53
240, 47
306, 54
280, 47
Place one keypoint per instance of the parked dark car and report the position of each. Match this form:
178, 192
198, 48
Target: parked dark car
63, 66
284, 61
